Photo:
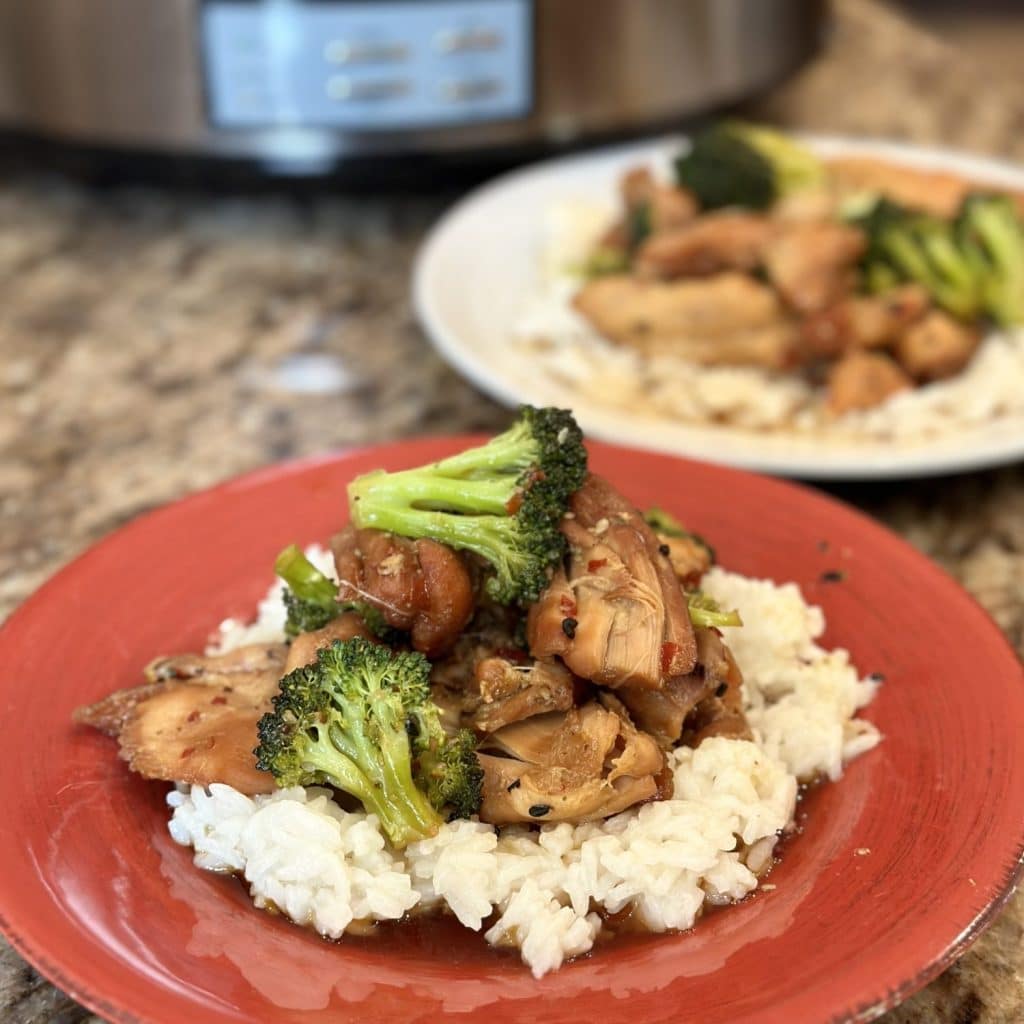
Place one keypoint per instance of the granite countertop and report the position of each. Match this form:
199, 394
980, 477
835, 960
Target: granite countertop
154, 342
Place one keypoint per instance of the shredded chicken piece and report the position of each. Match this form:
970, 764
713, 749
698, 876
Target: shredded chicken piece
510, 693
662, 713
936, 346
862, 380
195, 720
579, 765
813, 263
551, 618
419, 586
706, 702
863, 321
726, 320
619, 617
720, 711
640, 755
715, 242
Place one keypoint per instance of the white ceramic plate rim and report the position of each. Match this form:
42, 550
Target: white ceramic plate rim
453, 276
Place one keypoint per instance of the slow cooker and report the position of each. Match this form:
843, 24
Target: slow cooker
301, 86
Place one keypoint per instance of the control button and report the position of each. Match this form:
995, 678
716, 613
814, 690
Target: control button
349, 90
469, 89
468, 40
340, 51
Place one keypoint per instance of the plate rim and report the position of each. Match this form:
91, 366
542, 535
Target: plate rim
879, 461
73, 980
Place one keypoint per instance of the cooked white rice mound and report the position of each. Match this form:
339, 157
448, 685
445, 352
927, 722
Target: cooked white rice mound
539, 889
565, 348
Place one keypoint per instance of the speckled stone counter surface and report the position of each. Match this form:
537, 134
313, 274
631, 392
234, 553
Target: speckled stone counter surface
152, 343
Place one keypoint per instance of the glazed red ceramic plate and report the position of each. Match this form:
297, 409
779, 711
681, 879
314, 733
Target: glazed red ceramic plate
898, 867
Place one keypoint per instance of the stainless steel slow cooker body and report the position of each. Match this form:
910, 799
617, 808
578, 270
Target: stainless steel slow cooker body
302, 84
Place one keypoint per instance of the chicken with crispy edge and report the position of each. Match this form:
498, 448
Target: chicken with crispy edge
194, 720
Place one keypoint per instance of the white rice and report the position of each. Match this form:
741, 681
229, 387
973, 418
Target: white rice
571, 353
540, 888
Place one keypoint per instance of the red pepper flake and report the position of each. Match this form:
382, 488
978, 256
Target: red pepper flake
514, 504
596, 563
187, 752
219, 700
193, 716
567, 606
514, 654
668, 654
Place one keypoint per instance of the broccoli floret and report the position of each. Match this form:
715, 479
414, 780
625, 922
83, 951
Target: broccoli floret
907, 245
666, 524
311, 598
453, 775
350, 720
739, 164
503, 500
992, 237
705, 611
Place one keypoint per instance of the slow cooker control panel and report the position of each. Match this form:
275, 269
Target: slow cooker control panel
366, 66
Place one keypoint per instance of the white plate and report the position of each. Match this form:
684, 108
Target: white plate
481, 266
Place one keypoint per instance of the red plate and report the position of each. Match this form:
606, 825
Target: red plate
899, 867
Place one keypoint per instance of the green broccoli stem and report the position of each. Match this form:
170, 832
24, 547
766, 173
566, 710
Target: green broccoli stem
705, 612
385, 756
424, 489
939, 268
998, 234
704, 618
416, 811
514, 447
303, 578
381, 780
488, 536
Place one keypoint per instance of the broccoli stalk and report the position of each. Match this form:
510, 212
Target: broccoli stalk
356, 719
924, 250
739, 164
311, 598
502, 500
705, 612
992, 237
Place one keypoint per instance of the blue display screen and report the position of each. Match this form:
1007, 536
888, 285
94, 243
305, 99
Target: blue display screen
367, 66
